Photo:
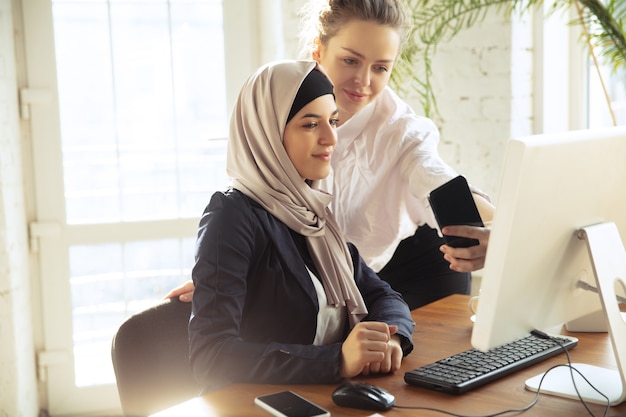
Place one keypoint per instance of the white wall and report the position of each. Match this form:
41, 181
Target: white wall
18, 389
482, 81
480, 77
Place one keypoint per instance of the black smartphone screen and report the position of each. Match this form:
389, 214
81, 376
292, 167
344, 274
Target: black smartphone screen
290, 404
453, 204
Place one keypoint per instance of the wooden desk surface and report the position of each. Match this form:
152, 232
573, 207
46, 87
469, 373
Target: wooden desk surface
443, 329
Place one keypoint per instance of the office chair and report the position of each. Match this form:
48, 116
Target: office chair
150, 354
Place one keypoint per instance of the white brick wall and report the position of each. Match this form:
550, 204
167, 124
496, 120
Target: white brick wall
18, 389
472, 80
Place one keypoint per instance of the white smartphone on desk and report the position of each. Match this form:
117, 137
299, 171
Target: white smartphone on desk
289, 404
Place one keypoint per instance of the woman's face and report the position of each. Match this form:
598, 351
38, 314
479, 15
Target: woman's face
358, 60
310, 137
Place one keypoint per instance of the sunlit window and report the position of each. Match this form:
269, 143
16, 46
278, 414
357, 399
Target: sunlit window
142, 102
142, 99
610, 89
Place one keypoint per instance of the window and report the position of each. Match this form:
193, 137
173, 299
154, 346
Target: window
143, 107
125, 158
569, 93
143, 128
600, 115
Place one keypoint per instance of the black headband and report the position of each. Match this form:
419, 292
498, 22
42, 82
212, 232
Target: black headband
314, 85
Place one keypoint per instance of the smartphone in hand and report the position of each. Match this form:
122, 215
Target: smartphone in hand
289, 404
453, 205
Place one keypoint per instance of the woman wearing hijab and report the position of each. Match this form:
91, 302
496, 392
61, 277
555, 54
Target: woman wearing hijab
279, 296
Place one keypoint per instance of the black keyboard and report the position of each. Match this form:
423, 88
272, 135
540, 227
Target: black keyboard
467, 370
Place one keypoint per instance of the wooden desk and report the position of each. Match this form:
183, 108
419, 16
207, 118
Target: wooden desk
443, 328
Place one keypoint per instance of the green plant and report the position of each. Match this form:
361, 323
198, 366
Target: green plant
438, 21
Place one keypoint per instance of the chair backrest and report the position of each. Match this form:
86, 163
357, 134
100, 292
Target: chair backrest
150, 354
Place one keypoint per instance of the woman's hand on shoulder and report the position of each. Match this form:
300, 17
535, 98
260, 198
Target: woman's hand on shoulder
466, 259
371, 348
184, 292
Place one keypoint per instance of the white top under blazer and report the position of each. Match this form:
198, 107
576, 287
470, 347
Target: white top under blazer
385, 164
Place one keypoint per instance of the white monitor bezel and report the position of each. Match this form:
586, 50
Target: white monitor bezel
551, 185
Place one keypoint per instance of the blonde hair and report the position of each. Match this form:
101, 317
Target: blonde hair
323, 19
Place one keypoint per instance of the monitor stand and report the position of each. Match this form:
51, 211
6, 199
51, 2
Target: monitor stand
608, 258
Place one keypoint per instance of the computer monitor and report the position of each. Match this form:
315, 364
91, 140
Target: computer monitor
552, 185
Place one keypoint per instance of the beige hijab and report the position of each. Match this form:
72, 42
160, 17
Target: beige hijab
260, 168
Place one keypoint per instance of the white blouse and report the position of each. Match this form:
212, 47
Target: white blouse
385, 164
330, 320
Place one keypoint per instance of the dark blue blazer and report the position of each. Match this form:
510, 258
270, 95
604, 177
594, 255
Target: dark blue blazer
254, 310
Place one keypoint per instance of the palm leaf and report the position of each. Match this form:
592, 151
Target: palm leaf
605, 25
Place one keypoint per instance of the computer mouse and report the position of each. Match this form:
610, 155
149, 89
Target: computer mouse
364, 396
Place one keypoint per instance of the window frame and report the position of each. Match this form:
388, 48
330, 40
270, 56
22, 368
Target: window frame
45, 198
